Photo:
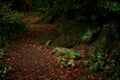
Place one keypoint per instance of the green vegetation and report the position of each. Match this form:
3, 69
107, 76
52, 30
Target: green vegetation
103, 33
68, 58
107, 63
10, 24
93, 21
3, 68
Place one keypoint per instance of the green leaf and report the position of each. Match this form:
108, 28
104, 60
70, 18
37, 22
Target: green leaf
62, 59
48, 42
71, 63
1, 54
72, 55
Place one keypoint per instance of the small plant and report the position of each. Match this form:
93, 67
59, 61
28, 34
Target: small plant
1, 54
3, 68
109, 64
69, 58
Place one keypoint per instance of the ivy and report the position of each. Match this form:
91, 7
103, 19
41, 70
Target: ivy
68, 57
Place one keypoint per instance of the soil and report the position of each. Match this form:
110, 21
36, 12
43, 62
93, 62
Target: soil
30, 59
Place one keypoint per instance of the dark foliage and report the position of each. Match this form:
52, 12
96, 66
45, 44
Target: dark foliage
10, 24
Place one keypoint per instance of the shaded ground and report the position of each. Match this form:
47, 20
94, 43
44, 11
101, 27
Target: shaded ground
30, 59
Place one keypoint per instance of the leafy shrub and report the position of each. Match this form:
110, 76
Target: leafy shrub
10, 24
109, 64
60, 10
3, 68
103, 58
68, 57
86, 11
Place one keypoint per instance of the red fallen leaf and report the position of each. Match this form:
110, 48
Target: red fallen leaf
25, 69
92, 77
31, 78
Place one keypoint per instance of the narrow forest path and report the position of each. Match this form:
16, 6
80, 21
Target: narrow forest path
30, 59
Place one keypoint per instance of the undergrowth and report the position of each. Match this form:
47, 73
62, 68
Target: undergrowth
108, 63
69, 58
10, 24
3, 68
69, 35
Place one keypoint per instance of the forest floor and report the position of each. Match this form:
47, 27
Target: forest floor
30, 59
